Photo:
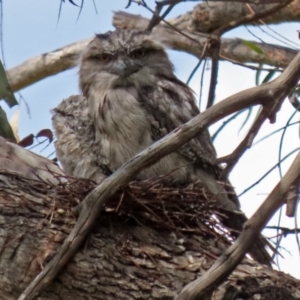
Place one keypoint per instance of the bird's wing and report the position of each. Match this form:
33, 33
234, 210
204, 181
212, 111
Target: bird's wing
171, 104
75, 136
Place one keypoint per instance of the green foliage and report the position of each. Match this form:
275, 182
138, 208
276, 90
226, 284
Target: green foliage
5, 90
5, 128
253, 46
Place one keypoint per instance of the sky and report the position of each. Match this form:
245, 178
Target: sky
32, 27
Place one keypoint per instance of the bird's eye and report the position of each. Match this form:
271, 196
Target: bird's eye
104, 57
138, 53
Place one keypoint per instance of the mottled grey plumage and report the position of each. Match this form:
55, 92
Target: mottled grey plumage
75, 134
132, 99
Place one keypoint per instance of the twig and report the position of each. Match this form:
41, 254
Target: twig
275, 131
249, 1
194, 71
201, 82
268, 112
225, 123
267, 173
285, 231
156, 18
294, 99
94, 202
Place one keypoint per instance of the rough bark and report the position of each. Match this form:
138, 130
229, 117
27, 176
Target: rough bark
121, 259
210, 15
45, 64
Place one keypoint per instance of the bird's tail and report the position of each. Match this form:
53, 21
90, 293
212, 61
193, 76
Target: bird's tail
234, 219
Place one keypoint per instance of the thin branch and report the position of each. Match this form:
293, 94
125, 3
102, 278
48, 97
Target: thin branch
274, 132
95, 201
194, 71
156, 18
267, 112
285, 231
214, 44
267, 173
225, 123
201, 83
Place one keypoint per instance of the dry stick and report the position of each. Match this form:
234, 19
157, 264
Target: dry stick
203, 287
95, 200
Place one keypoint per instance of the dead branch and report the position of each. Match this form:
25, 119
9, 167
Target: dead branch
271, 92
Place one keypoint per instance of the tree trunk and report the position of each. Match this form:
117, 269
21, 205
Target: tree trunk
148, 243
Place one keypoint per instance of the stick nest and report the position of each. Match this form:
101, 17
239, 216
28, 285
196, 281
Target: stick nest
185, 209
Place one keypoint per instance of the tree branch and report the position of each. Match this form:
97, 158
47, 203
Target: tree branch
44, 65
226, 263
94, 202
232, 159
59, 60
215, 40
209, 16
231, 49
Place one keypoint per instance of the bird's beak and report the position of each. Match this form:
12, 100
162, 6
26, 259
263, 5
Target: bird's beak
126, 68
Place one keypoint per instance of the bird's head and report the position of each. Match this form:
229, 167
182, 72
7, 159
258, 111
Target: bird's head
123, 58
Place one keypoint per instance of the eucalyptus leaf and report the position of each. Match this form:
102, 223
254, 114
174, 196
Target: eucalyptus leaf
253, 46
269, 76
5, 90
258, 74
5, 128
